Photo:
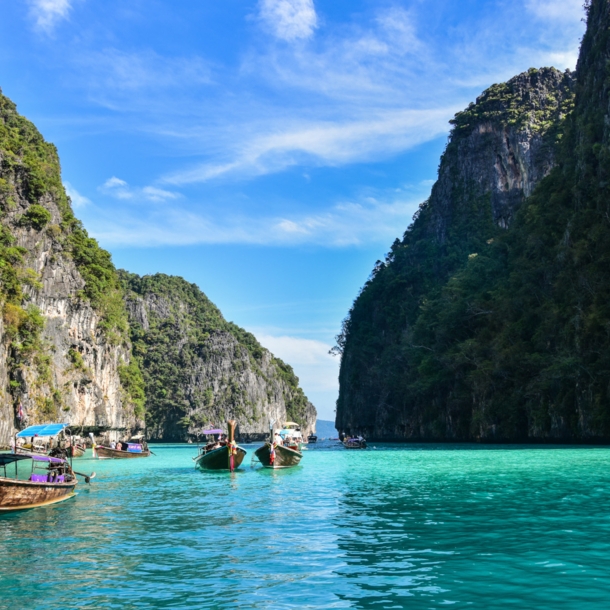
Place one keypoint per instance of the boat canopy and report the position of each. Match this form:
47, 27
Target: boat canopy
9, 458
137, 437
213, 431
291, 423
42, 430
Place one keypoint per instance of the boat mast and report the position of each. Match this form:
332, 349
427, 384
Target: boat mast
231, 443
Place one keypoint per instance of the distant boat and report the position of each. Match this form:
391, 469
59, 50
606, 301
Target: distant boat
135, 448
356, 442
312, 438
284, 449
221, 454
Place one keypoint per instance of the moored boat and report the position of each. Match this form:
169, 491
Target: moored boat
283, 450
312, 438
355, 442
77, 450
220, 454
135, 448
51, 480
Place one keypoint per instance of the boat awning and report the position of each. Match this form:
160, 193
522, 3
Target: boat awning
213, 431
46, 458
291, 423
42, 430
9, 458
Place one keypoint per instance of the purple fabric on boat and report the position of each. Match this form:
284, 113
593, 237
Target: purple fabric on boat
213, 431
60, 479
134, 448
46, 458
39, 478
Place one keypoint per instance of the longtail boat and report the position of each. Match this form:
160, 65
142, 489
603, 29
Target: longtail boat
220, 454
355, 442
77, 450
283, 450
135, 448
54, 482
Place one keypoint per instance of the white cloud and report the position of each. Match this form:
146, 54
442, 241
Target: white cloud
327, 143
316, 369
289, 19
47, 13
562, 10
369, 220
120, 189
78, 200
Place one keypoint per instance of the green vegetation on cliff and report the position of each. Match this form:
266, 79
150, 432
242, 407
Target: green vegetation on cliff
30, 189
196, 365
497, 334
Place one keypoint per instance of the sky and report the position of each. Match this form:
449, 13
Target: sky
268, 150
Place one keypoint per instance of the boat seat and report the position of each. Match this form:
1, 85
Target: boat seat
47, 478
39, 478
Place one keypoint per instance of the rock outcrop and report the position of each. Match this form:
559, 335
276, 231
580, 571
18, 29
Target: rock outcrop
65, 348
61, 351
500, 148
200, 371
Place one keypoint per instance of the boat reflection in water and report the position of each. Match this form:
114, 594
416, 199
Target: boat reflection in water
284, 448
222, 453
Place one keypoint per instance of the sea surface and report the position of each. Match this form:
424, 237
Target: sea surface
391, 527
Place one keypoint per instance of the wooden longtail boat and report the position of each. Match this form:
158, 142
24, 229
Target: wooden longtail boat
55, 484
135, 448
278, 456
356, 442
283, 450
76, 450
221, 455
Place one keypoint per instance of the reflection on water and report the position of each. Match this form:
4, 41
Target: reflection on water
395, 527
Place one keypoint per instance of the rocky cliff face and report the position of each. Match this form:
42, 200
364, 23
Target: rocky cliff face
500, 149
61, 351
200, 371
65, 349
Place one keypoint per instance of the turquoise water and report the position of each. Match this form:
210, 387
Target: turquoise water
392, 527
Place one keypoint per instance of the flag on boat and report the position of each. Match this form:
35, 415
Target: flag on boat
20, 411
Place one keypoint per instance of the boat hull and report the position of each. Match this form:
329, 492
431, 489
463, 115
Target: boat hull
23, 495
77, 451
105, 453
284, 456
355, 445
218, 459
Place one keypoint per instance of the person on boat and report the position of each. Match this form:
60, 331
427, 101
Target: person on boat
112, 445
278, 439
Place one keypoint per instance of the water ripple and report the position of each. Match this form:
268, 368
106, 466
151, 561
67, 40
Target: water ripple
395, 527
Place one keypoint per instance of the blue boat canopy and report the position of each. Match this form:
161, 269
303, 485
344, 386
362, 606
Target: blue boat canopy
42, 430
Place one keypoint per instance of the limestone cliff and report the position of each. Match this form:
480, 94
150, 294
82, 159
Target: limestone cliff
63, 339
65, 348
500, 149
201, 370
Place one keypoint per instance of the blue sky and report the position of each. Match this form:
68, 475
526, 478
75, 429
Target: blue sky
268, 150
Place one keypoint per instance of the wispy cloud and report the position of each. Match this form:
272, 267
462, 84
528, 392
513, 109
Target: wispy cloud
47, 13
78, 200
119, 189
326, 143
561, 10
316, 369
289, 19
368, 220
